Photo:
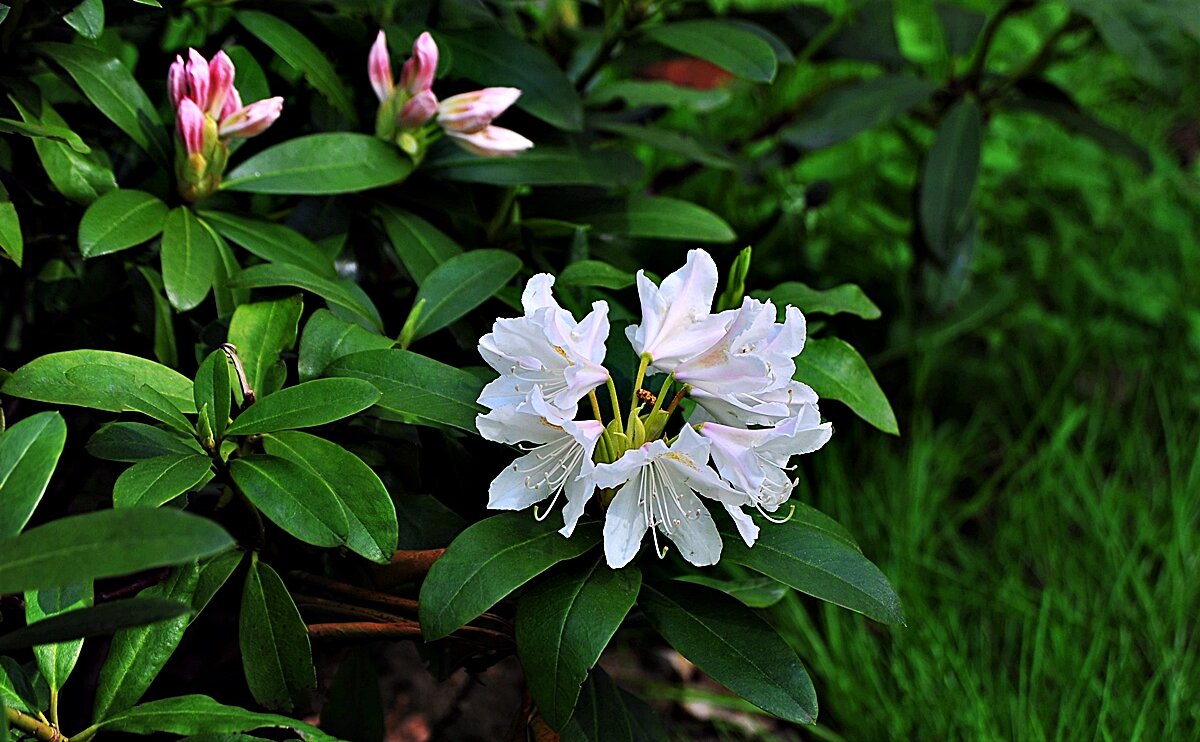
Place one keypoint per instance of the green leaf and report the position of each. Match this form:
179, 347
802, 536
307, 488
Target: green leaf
460, 284
338, 293
487, 562
127, 394
276, 654
656, 217
327, 338
420, 246
11, 239
755, 592
416, 389
202, 715
807, 557
251, 80
272, 242
306, 405
856, 107
729, 46
594, 273
948, 176
608, 713
137, 655
733, 645
45, 379
544, 165
37, 131
369, 509
426, 523
836, 371
87, 18
226, 297
17, 688
29, 452
303, 55
189, 258
353, 709
112, 89
563, 624
848, 298
80, 177
321, 164
93, 621
106, 543
165, 347
292, 498
137, 442
212, 393
159, 480
1137, 33
262, 331
56, 661
638, 93
495, 57
672, 142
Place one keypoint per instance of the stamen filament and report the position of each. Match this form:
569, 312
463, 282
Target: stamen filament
637, 384
595, 406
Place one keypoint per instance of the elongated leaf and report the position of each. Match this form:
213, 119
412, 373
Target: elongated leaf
94, 621
368, 507
80, 177
29, 452
165, 348
12, 241
638, 93
335, 292
321, 164
673, 142
948, 176
1137, 33
127, 394
251, 80
848, 298
276, 654
197, 714
420, 246
655, 217
292, 498
189, 259
416, 389
295, 49
594, 273
836, 371
272, 242
111, 87
262, 331
87, 18
137, 442
460, 284
37, 131
211, 391
755, 592
56, 661
734, 646
487, 562
730, 47
544, 165
159, 480
608, 713
17, 688
327, 338
106, 543
495, 57
306, 405
227, 297
45, 379
563, 624
857, 107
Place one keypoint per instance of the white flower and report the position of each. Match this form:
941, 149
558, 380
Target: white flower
546, 349
658, 488
767, 407
753, 355
677, 320
559, 463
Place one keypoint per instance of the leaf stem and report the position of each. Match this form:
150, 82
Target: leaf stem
32, 727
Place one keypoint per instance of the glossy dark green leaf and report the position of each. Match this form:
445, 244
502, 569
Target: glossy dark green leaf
653, 217
38, 131
276, 654
295, 49
159, 480
425, 522
327, 338
487, 562
836, 371
637, 93
272, 242
734, 646
12, 242
544, 165
226, 296
961, 26
262, 331
354, 708
197, 714
420, 246
292, 498
212, 393
136, 655
137, 442
608, 713
338, 293
127, 394
113, 90
416, 389
189, 259
93, 621
948, 176
594, 273
57, 660
755, 592
1137, 32
336, 162
87, 18
495, 57
848, 298
857, 107
564, 621
45, 379
460, 284
306, 405
727, 45
673, 142
17, 687
29, 452
106, 543
166, 350
80, 177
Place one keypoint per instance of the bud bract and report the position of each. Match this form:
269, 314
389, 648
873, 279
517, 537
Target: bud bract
379, 68
419, 109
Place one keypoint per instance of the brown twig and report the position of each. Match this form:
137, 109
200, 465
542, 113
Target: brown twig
350, 591
406, 566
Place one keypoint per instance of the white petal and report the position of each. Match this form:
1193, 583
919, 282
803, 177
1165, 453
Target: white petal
746, 526
696, 535
579, 491
624, 468
624, 525
509, 425
538, 293
510, 491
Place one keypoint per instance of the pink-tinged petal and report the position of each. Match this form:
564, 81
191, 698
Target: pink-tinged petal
220, 75
379, 68
253, 119
418, 110
417, 74
491, 142
197, 77
177, 81
233, 104
468, 113
190, 121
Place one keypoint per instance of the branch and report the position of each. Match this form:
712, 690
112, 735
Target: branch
38, 730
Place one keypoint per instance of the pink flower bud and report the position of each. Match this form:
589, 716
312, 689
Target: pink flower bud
177, 81
197, 78
190, 121
253, 119
491, 141
468, 113
418, 72
233, 104
418, 110
220, 73
379, 68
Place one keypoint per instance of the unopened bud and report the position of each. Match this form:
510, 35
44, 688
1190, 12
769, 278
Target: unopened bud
418, 110
471, 112
417, 74
379, 68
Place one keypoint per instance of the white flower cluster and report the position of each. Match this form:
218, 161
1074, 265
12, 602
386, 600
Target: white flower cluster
749, 419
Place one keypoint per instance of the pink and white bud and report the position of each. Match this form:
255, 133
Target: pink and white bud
491, 141
197, 78
220, 75
379, 68
468, 113
417, 74
233, 104
252, 120
190, 121
177, 81
418, 110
